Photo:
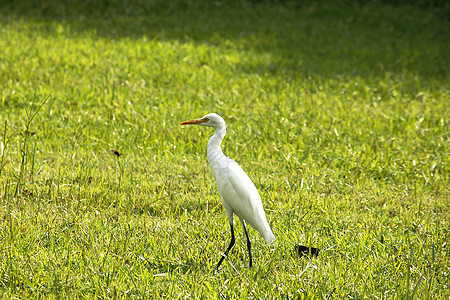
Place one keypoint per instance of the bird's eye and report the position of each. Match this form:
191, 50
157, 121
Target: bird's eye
206, 119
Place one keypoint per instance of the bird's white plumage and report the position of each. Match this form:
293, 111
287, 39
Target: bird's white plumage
240, 196
237, 191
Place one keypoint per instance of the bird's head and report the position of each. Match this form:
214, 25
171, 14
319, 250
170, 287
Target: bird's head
210, 120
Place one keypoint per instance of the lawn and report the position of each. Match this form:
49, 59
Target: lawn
338, 112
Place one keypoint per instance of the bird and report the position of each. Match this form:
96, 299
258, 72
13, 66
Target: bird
237, 191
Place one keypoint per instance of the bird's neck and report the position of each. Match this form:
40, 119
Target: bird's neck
214, 150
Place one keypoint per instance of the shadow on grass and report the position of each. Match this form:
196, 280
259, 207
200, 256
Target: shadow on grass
314, 38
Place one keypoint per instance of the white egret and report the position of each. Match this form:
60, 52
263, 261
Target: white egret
237, 191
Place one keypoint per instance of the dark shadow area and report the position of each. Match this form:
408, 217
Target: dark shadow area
311, 38
301, 251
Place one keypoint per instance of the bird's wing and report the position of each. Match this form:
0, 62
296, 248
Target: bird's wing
244, 199
239, 195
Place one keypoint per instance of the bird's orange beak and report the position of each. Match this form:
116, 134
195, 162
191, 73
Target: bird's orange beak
197, 121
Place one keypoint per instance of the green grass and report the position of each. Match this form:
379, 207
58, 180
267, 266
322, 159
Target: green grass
339, 114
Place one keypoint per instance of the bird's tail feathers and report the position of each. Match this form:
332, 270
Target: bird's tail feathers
268, 236
265, 231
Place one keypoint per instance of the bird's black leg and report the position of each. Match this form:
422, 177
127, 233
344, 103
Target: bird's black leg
249, 244
229, 246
